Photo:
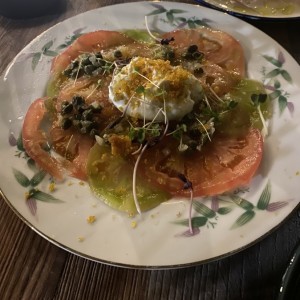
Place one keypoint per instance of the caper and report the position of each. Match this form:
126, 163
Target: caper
188, 55
89, 69
198, 71
118, 54
95, 61
197, 55
67, 72
169, 54
66, 123
98, 55
85, 61
66, 108
94, 132
74, 64
83, 130
78, 101
77, 123
192, 48
76, 73
87, 115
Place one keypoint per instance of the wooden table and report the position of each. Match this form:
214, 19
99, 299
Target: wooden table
33, 268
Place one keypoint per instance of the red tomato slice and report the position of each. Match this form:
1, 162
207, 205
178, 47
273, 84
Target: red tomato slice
89, 42
219, 47
222, 165
74, 148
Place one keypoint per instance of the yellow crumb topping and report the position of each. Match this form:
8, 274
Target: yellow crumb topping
133, 224
148, 73
51, 187
91, 219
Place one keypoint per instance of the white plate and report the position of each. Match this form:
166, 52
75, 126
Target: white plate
258, 9
156, 241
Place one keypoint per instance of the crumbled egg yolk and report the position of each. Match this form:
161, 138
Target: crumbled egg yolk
133, 224
91, 219
152, 85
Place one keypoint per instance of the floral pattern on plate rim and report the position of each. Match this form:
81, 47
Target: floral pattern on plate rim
204, 215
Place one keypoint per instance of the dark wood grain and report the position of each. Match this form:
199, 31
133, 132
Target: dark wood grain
33, 268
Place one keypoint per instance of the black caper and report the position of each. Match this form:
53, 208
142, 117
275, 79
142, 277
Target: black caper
67, 108
83, 130
66, 123
118, 54
94, 125
85, 61
94, 132
87, 115
74, 64
188, 55
78, 117
169, 54
67, 72
78, 101
77, 123
95, 61
89, 69
192, 48
197, 55
98, 55
76, 73
198, 71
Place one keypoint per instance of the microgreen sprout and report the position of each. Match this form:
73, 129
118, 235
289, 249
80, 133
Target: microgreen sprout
99, 82
163, 42
257, 100
204, 127
135, 70
135, 198
187, 185
215, 95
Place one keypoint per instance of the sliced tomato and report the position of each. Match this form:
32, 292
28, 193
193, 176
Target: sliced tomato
219, 47
89, 42
221, 166
74, 148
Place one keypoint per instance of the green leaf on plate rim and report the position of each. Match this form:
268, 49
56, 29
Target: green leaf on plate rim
35, 60
225, 210
21, 178
282, 103
20, 146
286, 76
38, 178
274, 94
265, 197
47, 46
41, 196
273, 73
196, 222
243, 203
243, 219
203, 209
273, 61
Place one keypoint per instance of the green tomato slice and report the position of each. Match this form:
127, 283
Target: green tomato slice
111, 179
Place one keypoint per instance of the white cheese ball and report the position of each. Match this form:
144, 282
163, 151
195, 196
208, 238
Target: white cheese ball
151, 88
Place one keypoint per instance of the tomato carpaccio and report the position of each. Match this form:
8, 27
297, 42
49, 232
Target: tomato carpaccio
222, 165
